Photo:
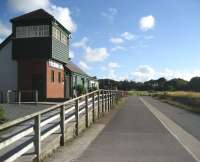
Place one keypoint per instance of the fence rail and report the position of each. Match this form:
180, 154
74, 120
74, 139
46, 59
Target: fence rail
14, 96
38, 126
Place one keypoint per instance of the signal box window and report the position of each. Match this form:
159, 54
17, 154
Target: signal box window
52, 76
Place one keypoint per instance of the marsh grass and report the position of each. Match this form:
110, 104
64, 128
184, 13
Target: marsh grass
185, 100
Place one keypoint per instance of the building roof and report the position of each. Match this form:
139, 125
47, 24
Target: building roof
74, 68
5, 41
39, 14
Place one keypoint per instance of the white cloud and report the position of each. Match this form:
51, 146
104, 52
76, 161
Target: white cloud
96, 54
4, 30
187, 75
91, 54
110, 13
147, 22
113, 65
143, 73
120, 39
83, 65
128, 36
28, 5
71, 54
112, 75
82, 43
118, 48
146, 72
116, 40
111, 71
62, 14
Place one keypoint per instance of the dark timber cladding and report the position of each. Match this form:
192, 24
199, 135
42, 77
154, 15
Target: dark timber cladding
38, 35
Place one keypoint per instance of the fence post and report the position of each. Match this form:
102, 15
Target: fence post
86, 112
36, 96
62, 125
106, 103
103, 102
98, 98
37, 141
8, 98
93, 107
118, 93
77, 116
112, 94
19, 97
110, 99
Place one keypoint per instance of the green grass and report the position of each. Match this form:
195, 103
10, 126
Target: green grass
186, 100
2, 116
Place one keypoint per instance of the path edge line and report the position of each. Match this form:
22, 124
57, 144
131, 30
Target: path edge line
169, 124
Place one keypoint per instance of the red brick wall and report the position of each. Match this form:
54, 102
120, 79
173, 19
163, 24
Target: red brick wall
51, 90
54, 89
26, 68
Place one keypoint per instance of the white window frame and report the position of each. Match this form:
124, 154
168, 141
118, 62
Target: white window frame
32, 31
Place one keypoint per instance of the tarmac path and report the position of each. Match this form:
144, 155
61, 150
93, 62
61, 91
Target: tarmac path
138, 133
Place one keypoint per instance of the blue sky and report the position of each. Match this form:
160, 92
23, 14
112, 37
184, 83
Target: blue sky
129, 39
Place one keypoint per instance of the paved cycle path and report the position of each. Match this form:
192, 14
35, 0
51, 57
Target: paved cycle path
135, 135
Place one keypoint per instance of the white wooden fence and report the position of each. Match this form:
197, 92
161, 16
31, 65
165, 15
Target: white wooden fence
37, 131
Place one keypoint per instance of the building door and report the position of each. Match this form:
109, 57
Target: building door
67, 86
38, 84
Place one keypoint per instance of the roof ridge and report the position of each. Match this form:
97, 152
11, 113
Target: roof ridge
5, 41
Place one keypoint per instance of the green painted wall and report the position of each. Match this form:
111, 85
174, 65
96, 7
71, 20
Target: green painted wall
60, 51
79, 80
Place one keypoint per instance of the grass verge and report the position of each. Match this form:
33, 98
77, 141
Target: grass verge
2, 116
189, 101
119, 103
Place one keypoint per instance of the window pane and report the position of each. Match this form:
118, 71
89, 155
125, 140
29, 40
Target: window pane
32, 31
52, 76
59, 77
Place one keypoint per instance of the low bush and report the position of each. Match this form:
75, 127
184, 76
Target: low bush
2, 115
80, 90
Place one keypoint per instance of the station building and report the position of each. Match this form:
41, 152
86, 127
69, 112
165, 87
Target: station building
36, 57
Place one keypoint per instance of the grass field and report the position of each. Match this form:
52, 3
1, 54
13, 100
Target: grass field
186, 100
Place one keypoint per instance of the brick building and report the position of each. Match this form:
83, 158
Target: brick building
36, 57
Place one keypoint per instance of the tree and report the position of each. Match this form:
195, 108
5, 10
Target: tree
176, 84
194, 84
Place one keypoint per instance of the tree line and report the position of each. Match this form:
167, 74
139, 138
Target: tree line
160, 84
